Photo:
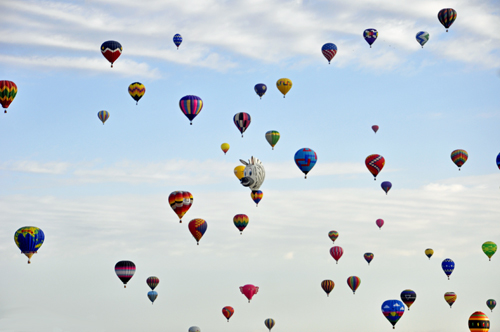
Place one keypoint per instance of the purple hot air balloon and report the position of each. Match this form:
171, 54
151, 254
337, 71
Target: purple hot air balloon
386, 186
370, 36
375, 128
380, 223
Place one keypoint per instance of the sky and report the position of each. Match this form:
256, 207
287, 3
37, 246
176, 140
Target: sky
100, 192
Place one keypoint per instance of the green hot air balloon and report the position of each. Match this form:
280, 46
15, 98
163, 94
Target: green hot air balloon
489, 248
272, 136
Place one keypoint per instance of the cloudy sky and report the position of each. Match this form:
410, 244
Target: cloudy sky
100, 193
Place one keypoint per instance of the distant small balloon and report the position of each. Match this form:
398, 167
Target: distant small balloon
327, 286
224, 147
447, 16
269, 323
228, 312
260, 89
272, 137
329, 50
393, 310
249, 291
257, 196
29, 239
333, 235
353, 282
422, 37
489, 248
370, 36
448, 266
111, 50
125, 270
380, 223
386, 186
305, 159
240, 221
152, 295
408, 297
491, 304
284, 85
177, 40
336, 252
197, 227
194, 329
242, 120
375, 128
375, 163
450, 298
152, 282
103, 116
459, 157
429, 252
368, 257
136, 91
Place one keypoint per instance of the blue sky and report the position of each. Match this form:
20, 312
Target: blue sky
100, 193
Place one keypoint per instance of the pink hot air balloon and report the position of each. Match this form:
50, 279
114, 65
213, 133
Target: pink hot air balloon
336, 253
375, 128
249, 291
380, 223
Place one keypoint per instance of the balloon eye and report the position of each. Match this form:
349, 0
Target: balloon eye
250, 173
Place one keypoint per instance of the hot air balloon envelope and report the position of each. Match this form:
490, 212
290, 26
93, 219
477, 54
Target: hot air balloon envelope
136, 91
422, 37
459, 157
353, 282
29, 239
450, 298
191, 106
284, 85
448, 266
227, 312
103, 116
333, 235
257, 196
386, 186
375, 128
8, 91
249, 291
368, 257
375, 163
305, 159
260, 89
240, 221
479, 322
272, 137
152, 295
429, 252
447, 16
393, 310
489, 248
329, 50
327, 286
238, 171
125, 271
197, 227
111, 50
224, 147
380, 223
180, 202
152, 282
408, 297
336, 252
177, 40
269, 323
242, 120
370, 36
491, 304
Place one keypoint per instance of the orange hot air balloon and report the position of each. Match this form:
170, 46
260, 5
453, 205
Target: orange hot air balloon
180, 202
227, 312
327, 286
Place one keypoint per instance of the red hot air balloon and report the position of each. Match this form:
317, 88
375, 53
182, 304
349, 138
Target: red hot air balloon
375, 128
380, 223
8, 91
197, 227
180, 202
249, 291
375, 163
111, 50
336, 253
227, 312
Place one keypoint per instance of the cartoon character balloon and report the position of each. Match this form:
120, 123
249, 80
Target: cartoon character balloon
479, 322
448, 266
353, 282
257, 196
180, 202
327, 286
422, 37
386, 186
177, 40
491, 304
336, 252
284, 85
240, 221
393, 310
329, 50
191, 106
103, 116
489, 248
272, 137
152, 282
197, 227
29, 239
370, 36
380, 223
459, 157
260, 89
447, 16
242, 120
8, 91
228, 312
249, 291
305, 159
136, 91
368, 257
125, 271
152, 295
429, 252
375, 163
333, 235
408, 297
111, 50
224, 147
450, 298
375, 128
269, 323
254, 176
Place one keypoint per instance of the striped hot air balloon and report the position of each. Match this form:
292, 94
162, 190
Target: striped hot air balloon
152, 282
269, 323
272, 137
8, 91
353, 282
103, 116
125, 271
327, 286
329, 50
191, 106
136, 91
333, 235
240, 221
447, 16
479, 322
459, 157
450, 298
336, 252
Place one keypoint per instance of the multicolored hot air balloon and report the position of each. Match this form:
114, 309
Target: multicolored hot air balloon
336, 253
393, 310
152, 282
408, 297
29, 239
386, 186
370, 36
249, 291
305, 159
368, 257
136, 91
180, 202
329, 50
429, 252
333, 235
450, 298
422, 37
8, 91
448, 266
177, 40
447, 16
260, 89
191, 106
353, 282
272, 137
111, 50
194, 329
240, 221
380, 223
375, 128
269, 323
152, 295
327, 286
256, 196
227, 311
459, 157
224, 147
103, 116
375, 163
242, 120
239, 171
284, 85
125, 271
197, 227
489, 248
479, 322
491, 304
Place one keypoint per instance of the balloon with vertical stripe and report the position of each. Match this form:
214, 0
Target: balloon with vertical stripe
242, 120
353, 282
103, 116
336, 252
269, 323
152, 282
327, 286
191, 106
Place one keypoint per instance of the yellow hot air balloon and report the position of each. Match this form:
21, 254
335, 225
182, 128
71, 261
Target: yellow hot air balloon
238, 171
429, 252
284, 85
224, 147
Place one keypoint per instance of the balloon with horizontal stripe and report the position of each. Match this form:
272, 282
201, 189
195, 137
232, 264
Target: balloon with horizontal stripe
191, 106
103, 116
29, 239
240, 221
242, 120
111, 50
393, 310
8, 91
136, 91
177, 40
152, 282
272, 137
375, 163
408, 297
257, 196
479, 322
459, 157
329, 50
197, 227
269, 323
447, 16
152, 295
260, 89
450, 298
368, 257
353, 282
227, 311
333, 235
327, 286
125, 271
489, 248
180, 202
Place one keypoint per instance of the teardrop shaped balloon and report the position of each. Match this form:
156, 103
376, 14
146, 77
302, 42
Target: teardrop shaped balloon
197, 227
393, 310
257, 196
239, 171
489, 248
269, 323
447, 16
353, 282
408, 297
177, 40
329, 50
450, 298
491, 304
260, 89
136, 91
368, 257
191, 106
272, 137
370, 36
448, 266
241, 222
180, 202
152, 282
422, 37
125, 271
111, 50
479, 322
152, 295
242, 120
8, 91
305, 159
227, 311
249, 291
327, 286
429, 252
459, 157
386, 186
194, 329
375, 128
380, 223
375, 163
498, 161
29, 239
225, 147
336, 252
103, 116
333, 235
284, 85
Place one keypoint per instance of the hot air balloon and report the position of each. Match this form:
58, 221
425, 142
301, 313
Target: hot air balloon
448, 266
269, 323
224, 147
103, 116
29, 239
459, 157
284, 85
429, 252
111, 50
240, 221
327, 286
422, 37
375, 163
152, 282
249, 291
177, 40
489, 248
329, 50
336, 253
386, 186
239, 171
447, 16
260, 89
479, 322
194, 329
152, 295
136, 91
180, 202
491, 304
408, 297
333, 235
227, 312
393, 310
375, 128
368, 257
242, 121
272, 137
450, 298
191, 106
305, 159
498, 161
380, 223
125, 271
370, 36
353, 282
256, 196
197, 227
8, 91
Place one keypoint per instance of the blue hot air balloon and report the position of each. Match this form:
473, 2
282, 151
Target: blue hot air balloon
177, 40
498, 161
260, 89
329, 50
422, 37
29, 239
305, 159
370, 36
386, 186
393, 310
448, 266
152, 296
